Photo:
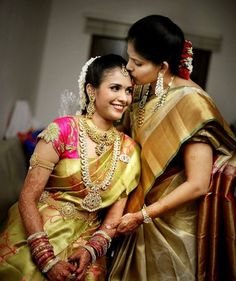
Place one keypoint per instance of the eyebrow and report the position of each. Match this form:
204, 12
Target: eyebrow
119, 85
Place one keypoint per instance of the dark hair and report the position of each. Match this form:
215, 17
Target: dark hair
158, 39
98, 69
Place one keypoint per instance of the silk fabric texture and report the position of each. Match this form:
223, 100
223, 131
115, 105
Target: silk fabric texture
196, 241
65, 221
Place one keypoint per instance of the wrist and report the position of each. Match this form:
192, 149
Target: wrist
145, 215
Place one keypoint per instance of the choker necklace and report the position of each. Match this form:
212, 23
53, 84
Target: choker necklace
92, 201
102, 139
160, 102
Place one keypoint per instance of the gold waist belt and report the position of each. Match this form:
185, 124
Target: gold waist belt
68, 210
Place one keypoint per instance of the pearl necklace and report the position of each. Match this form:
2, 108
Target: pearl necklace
93, 200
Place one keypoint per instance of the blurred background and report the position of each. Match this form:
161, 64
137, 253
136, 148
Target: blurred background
44, 44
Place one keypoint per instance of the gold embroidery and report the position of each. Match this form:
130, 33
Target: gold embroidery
67, 209
51, 133
36, 161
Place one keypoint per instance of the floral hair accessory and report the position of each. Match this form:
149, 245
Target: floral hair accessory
185, 66
81, 81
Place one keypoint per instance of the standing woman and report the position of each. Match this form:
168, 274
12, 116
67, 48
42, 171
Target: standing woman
183, 210
80, 175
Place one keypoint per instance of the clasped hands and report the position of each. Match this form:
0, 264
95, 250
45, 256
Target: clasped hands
73, 269
77, 265
127, 223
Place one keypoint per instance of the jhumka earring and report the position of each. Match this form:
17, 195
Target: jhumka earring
91, 106
159, 90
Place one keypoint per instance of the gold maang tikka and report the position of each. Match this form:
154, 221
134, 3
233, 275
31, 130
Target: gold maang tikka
124, 71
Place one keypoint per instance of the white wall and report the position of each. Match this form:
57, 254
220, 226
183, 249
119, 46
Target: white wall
67, 43
23, 26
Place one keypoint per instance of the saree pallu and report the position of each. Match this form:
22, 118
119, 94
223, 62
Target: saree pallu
196, 241
67, 224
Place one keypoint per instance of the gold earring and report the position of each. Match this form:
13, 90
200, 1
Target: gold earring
91, 106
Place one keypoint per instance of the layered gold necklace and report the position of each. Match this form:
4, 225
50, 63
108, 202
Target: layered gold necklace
102, 139
92, 201
160, 102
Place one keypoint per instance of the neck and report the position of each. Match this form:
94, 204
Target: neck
101, 123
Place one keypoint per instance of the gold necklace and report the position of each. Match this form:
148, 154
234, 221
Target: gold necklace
93, 200
141, 105
101, 138
160, 102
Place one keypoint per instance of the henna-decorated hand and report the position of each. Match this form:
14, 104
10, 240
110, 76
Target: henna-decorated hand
129, 223
83, 259
60, 271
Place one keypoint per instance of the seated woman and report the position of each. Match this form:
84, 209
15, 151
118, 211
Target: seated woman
80, 175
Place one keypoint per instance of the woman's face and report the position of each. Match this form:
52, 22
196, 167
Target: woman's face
113, 96
142, 71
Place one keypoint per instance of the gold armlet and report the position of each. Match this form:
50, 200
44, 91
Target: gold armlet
36, 161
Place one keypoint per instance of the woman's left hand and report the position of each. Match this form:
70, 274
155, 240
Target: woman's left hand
129, 223
83, 259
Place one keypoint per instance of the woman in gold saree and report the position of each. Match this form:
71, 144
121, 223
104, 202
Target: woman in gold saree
80, 175
183, 210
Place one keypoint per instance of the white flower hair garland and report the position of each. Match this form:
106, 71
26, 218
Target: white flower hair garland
81, 81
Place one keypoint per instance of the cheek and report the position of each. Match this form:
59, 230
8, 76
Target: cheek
129, 99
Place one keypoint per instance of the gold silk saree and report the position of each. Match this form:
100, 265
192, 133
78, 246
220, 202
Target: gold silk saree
196, 241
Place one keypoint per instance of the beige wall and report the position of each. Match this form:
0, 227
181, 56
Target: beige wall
41, 58
67, 45
23, 26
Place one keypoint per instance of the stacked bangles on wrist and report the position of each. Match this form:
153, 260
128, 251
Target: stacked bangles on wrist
98, 245
42, 251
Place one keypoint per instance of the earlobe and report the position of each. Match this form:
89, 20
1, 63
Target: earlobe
164, 67
90, 89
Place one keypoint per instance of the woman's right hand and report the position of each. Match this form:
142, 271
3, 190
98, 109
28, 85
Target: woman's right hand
129, 223
61, 271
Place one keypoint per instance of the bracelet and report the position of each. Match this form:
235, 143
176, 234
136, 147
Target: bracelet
146, 218
50, 264
91, 251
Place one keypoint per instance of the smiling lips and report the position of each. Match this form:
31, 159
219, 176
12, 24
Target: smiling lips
118, 107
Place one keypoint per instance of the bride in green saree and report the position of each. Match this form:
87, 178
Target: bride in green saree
80, 175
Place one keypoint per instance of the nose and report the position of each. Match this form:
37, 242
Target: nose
123, 97
129, 65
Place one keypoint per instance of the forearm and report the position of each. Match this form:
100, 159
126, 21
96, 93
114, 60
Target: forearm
182, 194
29, 197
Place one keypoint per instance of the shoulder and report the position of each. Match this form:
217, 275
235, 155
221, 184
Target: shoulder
57, 128
180, 82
